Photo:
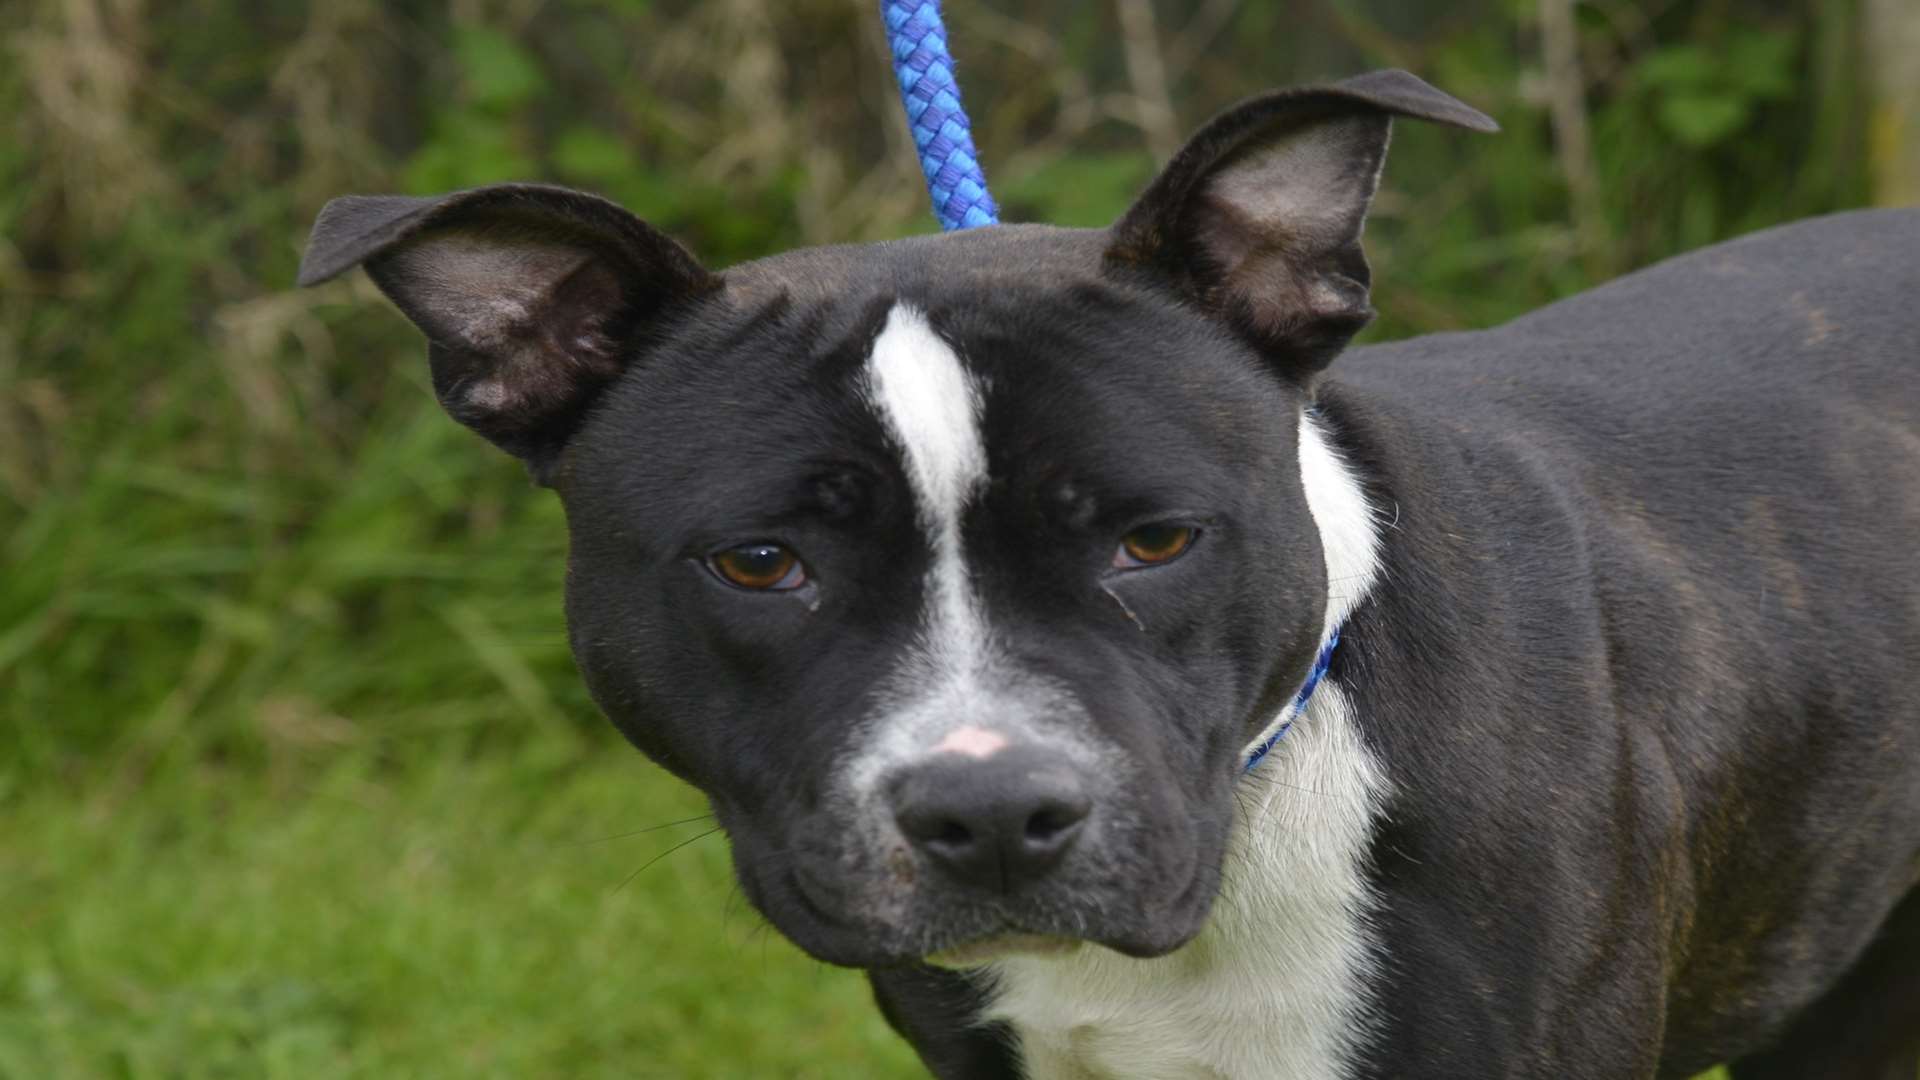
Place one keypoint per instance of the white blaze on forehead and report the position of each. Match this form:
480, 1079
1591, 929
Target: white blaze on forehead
931, 407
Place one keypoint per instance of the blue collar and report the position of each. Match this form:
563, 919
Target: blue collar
1300, 700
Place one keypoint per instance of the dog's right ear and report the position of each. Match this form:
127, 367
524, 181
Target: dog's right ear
532, 298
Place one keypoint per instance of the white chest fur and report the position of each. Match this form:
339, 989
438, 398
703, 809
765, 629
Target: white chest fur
1276, 986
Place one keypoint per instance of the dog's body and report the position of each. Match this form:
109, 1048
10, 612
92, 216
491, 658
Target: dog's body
965, 573
1634, 689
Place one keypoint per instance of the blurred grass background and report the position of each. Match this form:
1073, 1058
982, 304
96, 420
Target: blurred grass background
296, 778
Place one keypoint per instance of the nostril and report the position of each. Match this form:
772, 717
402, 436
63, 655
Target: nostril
1046, 824
1053, 822
936, 827
950, 834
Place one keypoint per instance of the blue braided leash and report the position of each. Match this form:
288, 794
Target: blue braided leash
924, 69
1320, 664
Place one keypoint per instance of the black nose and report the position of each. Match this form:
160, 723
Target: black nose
994, 823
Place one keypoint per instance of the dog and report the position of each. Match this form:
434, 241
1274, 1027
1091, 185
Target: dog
1061, 637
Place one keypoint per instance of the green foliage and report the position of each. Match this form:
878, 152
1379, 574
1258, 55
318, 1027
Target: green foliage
478, 140
292, 753
1085, 190
498, 73
1703, 98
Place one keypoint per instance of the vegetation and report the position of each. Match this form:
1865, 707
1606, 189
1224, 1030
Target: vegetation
296, 778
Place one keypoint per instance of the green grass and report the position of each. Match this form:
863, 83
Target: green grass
497, 917
466, 919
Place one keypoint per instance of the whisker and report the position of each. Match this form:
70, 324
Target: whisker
664, 854
638, 832
765, 939
742, 940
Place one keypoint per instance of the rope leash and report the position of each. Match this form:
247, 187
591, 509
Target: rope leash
924, 69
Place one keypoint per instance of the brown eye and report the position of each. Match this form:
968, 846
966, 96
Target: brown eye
1151, 545
764, 567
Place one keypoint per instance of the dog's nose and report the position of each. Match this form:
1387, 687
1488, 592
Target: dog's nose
994, 823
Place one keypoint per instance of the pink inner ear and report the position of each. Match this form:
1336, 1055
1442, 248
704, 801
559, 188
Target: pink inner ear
532, 316
975, 742
1275, 218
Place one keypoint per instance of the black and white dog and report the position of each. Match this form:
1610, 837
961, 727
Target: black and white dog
967, 574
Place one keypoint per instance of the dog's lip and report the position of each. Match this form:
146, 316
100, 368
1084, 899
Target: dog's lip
797, 884
971, 949
837, 940
984, 938
1002, 944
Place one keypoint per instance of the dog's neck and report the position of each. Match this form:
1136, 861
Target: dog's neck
1276, 986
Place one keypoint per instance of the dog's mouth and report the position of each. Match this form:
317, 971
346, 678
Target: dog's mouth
966, 936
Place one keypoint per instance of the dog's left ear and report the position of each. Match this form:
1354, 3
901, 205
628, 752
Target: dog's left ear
1258, 218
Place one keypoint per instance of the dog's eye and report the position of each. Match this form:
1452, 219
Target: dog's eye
762, 567
1151, 545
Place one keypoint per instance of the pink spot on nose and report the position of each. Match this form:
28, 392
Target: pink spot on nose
972, 741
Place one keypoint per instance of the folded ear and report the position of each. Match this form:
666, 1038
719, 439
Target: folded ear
532, 298
1258, 218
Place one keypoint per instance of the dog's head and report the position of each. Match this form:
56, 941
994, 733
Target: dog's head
959, 572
